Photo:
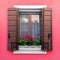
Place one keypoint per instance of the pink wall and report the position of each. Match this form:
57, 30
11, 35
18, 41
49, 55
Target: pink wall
8, 55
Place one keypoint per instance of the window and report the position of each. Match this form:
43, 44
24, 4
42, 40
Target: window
30, 29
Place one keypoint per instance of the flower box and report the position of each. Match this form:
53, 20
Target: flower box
29, 48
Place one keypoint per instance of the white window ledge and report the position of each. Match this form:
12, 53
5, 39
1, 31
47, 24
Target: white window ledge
29, 52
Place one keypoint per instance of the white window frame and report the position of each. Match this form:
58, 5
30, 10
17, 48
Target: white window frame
30, 50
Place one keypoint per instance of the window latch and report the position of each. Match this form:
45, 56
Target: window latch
49, 35
8, 35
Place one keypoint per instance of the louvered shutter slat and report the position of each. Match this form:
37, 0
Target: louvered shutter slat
12, 28
47, 29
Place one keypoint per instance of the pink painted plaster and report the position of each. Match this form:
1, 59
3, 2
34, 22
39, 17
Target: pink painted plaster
8, 55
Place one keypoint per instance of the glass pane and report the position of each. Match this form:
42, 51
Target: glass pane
35, 26
29, 31
23, 26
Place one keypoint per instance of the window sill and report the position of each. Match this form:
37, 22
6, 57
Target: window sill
29, 50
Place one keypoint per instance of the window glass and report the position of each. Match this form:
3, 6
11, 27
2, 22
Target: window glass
30, 29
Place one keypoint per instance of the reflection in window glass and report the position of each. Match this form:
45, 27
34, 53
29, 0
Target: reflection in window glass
30, 29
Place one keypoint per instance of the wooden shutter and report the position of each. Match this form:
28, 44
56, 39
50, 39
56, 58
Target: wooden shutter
47, 29
12, 28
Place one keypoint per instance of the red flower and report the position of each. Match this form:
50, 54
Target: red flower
29, 37
21, 36
33, 39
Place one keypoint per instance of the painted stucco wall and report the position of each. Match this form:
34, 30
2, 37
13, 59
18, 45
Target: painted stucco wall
8, 55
